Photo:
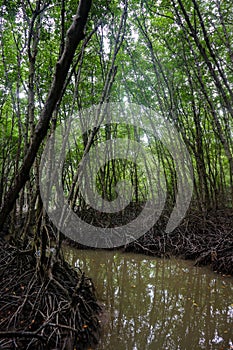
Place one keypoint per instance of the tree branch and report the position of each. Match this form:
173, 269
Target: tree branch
73, 37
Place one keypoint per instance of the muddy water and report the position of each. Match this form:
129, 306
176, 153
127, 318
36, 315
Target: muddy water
159, 304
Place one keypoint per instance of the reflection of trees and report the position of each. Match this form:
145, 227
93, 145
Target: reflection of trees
155, 303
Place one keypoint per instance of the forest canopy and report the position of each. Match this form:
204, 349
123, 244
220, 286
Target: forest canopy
170, 62
175, 57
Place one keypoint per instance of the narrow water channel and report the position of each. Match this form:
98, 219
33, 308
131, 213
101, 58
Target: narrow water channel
159, 304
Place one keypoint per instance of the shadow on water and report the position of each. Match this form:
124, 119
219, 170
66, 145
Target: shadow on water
158, 303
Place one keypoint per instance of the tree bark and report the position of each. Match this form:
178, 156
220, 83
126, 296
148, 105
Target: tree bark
73, 37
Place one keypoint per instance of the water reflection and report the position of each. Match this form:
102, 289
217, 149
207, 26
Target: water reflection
159, 304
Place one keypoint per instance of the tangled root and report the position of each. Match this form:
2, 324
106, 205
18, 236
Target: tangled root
56, 311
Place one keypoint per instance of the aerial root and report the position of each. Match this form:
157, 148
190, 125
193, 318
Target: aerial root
56, 311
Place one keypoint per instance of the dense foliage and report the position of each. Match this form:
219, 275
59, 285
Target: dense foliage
174, 56
60, 57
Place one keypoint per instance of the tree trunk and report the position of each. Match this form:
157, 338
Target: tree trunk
73, 37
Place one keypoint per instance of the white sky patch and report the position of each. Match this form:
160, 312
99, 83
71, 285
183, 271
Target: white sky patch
19, 19
145, 139
135, 35
49, 24
106, 41
22, 95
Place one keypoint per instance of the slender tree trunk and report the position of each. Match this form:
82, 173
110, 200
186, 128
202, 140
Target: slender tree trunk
73, 37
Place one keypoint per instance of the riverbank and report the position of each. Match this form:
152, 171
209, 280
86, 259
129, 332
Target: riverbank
58, 310
206, 238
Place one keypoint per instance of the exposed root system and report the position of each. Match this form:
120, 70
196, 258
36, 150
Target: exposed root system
56, 311
208, 240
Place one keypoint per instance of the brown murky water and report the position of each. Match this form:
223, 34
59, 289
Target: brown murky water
159, 304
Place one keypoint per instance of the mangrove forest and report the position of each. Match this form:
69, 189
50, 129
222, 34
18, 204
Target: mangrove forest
116, 174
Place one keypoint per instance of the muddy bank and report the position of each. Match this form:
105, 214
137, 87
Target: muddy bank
58, 310
206, 238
